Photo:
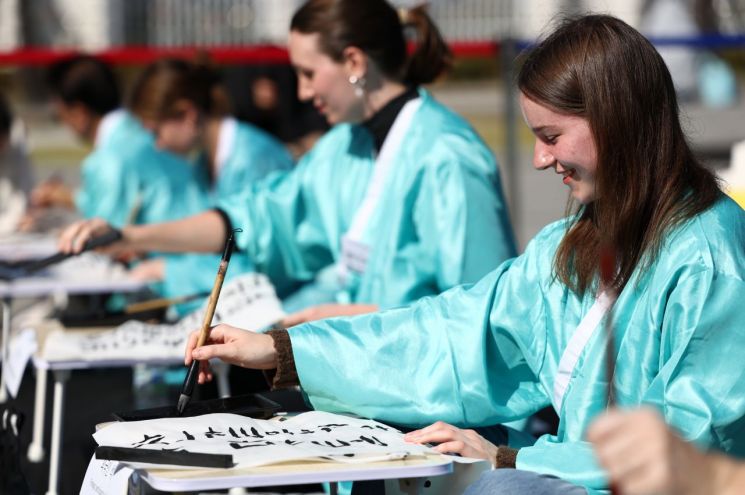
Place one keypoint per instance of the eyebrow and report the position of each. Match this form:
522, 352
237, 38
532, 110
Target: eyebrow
543, 128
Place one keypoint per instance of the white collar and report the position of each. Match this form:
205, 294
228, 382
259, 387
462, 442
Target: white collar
225, 142
107, 125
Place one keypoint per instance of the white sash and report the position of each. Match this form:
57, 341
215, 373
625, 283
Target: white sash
354, 250
107, 125
225, 142
576, 345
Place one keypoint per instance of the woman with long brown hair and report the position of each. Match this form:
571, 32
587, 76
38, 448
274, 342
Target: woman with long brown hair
602, 106
400, 199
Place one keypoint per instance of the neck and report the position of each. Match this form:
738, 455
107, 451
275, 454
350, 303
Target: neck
379, 97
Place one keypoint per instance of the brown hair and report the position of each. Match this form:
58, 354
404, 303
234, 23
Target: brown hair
647, 180
164, 83
377, 29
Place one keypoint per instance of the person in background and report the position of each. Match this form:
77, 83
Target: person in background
271, 103
186, 108
643, 456
124, 178
733, 177
602, 106
16, 171
401, 199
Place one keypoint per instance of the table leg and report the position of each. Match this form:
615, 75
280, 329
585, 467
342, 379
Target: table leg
6, 344
36, 448
60, 377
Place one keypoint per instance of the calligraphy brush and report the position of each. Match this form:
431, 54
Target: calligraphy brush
160, 303
191, 376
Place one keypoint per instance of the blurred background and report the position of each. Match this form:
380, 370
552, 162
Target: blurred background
703, 42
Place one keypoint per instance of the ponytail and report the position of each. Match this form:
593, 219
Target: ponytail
432, 56
377, 29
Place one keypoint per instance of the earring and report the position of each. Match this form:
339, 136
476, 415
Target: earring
359, 85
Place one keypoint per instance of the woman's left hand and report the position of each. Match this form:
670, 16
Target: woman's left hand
453, 440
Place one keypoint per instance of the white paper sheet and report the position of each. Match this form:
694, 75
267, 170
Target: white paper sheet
105, 477
253, 442
17, 247
247, 302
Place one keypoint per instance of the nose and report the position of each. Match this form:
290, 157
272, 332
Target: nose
542, 158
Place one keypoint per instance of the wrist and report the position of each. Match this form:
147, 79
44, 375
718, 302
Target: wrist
130, 235
505, 457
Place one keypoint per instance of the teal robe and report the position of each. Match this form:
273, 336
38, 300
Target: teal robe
488, 353
251, 155
442, 219
126, 179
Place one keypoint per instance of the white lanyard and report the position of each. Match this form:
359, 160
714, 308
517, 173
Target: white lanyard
354, 251
576, 345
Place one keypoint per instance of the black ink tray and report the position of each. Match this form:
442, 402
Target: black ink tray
251, 405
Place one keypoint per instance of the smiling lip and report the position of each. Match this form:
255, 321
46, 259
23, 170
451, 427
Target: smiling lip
568, 176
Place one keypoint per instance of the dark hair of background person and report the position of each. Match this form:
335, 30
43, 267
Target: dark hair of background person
6, 117
290, 119
85, 80
375, 27
163, 84
648, 180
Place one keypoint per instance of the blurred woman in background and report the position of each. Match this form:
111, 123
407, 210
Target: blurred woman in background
185, 106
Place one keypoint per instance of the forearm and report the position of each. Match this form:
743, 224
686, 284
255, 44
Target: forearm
204, 232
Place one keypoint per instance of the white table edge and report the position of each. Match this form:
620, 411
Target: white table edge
363, 473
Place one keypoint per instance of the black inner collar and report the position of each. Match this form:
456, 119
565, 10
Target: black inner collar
380, 124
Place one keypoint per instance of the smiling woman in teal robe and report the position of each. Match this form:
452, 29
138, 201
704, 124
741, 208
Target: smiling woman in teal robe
530, 333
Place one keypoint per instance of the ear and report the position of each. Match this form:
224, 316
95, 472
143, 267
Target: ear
355, 61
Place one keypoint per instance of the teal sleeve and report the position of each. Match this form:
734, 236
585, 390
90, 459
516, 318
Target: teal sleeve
108, 189
571, 461
192, 273
282, 228
466, 357
461, 216
702, 391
